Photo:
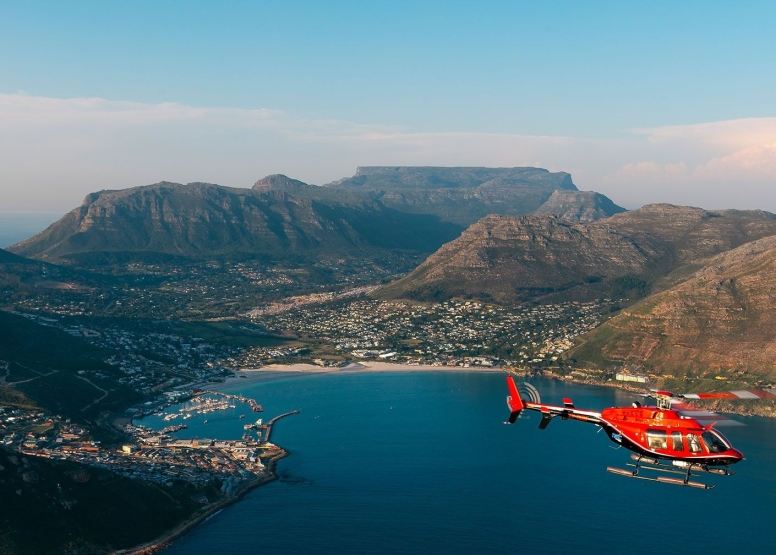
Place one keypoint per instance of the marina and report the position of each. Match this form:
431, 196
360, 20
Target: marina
206, 402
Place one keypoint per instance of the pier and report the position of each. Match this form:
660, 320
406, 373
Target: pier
267, 428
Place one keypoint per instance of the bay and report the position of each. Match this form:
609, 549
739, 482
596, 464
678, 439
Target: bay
422, 463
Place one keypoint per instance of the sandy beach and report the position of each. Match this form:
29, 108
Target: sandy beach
280, 371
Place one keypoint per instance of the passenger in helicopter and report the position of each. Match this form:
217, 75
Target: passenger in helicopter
694, 444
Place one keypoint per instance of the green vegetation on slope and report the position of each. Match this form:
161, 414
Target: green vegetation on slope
44, 365
58, 507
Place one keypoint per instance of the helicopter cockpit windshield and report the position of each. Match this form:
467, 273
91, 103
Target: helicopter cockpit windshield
714, 441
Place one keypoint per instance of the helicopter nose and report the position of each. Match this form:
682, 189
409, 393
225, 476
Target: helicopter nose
736, 453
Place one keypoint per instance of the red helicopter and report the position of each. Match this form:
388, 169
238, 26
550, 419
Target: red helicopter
662, 438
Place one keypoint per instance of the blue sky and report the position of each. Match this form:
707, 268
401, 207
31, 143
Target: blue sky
649, 101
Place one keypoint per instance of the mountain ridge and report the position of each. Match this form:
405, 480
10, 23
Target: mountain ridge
510, 259
201, 219
280, 217
579, 206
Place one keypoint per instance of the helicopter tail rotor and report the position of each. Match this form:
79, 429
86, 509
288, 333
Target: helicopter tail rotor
518, 396
514, 402
529, 393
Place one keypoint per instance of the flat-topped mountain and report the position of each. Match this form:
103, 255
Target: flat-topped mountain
718, 321
579, 206
511, 259
458, 195
438, 177
280, 217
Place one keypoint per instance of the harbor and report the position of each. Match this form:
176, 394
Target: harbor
225, 459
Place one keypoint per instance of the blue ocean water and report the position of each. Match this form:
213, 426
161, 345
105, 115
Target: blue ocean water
421, 463
18, 226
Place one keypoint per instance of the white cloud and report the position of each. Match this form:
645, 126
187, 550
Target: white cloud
753, 162
716, 165
55, 151
652, 172
35, 110
736, 133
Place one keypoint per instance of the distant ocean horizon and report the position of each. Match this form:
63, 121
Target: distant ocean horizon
422, 463
18, 226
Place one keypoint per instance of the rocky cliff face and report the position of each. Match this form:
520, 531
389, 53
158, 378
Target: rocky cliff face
717, 321
458, 195
279, 218
516, 259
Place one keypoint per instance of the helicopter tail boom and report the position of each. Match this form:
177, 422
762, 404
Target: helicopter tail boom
517, 404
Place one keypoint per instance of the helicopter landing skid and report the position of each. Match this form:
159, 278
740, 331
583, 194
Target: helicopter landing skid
691, 470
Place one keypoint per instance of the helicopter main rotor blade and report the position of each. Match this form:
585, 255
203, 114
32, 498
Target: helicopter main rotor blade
705, 417
740, 394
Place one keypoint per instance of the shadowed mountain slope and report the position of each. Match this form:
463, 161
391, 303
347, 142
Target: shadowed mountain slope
516, 259
19, 275
11, 258
43, 365
279, 218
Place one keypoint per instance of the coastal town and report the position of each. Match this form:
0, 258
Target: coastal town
155, 455
453, 333
334, 328
201, 290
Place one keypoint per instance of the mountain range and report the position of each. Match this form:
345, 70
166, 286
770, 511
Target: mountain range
276, 219
282, 217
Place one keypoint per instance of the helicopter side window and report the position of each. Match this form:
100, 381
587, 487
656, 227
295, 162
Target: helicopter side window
656, 439
676, 441
714, 442
694, 443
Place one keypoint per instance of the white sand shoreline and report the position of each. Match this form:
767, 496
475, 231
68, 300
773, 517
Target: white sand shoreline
281, 371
